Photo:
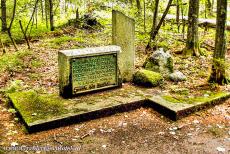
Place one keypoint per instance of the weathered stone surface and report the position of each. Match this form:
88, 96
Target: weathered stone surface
124, 36
46, 111
89, 69
147, 78
161, 62
177, 76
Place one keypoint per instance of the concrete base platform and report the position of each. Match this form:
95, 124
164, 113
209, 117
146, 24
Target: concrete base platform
46, 111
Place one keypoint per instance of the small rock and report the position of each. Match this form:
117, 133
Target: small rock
34, 114
177, 76
219, 126
122, 124
220, 149
196, 122
189, 134
206, 95
175, 128
13, 144
161, 133
173, 133
77, 129
92, 131
104, 146
144, 113
227, 117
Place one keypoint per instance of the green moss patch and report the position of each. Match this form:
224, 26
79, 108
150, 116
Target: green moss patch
200, 99
147, 78
13, 61
33, 106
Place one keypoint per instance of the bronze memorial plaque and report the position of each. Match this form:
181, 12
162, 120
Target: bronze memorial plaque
88, 69
94, 73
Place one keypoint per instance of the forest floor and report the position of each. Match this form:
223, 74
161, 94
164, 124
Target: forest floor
138, 131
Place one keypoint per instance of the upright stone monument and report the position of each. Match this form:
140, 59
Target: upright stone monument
124, 36
89, 69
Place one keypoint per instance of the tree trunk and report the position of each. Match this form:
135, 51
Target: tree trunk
144, 16
192, 43
3, 18
10, 26
208, 7
155, 14
183, 20
178, 14
24, 34
51, 15
213, 2
2, 47
218, 67
46, 13
154, 31
42, 10
138, 6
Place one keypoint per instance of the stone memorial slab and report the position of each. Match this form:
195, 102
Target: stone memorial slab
89, 69
123, 35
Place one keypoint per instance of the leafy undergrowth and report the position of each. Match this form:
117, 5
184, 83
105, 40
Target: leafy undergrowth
14, 61
44, 77
38, 66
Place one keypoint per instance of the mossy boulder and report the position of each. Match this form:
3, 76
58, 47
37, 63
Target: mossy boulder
161, 62
147, 78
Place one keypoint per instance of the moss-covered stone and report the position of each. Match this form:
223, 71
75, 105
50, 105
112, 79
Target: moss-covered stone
147, 78
161, 62
200, 99
45, 111
34, 106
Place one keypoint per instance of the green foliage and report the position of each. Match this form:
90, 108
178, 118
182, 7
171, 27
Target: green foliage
14, 86
12, 110
220, 64
61, 40
13, 61
2, 151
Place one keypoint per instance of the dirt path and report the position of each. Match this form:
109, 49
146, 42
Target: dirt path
139, 131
